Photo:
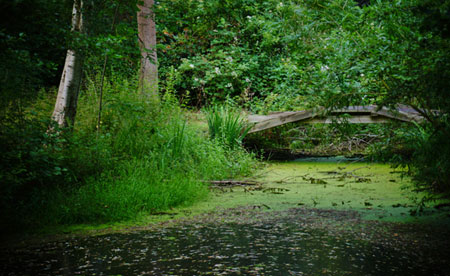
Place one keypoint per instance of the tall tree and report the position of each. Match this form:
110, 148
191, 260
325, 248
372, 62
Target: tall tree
148, 75
66, 101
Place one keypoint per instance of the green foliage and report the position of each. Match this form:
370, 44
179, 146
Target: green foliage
424, 151
431, 163
264, 55
31, 54
145, 158
37, 158
220, 53
31, 157
112, 25
291, 55
226, 126
284, 55
254, 49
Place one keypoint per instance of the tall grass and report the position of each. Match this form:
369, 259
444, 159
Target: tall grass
227, 126
145, 158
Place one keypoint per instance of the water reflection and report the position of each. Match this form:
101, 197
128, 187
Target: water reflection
283, 246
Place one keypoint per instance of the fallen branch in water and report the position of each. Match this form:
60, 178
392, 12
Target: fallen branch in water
233, 182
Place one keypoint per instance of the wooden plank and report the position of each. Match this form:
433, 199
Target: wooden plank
283, 118
261, 118
398, 115
355, 109
360, 119
358, 115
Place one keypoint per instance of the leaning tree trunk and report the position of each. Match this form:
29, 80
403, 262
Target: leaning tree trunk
66, 101
148, 75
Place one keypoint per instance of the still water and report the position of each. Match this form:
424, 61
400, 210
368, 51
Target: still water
309, 218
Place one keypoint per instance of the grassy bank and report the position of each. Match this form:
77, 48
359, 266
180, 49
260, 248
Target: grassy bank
144, 159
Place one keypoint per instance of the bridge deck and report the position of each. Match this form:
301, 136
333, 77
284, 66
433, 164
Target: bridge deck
355, 115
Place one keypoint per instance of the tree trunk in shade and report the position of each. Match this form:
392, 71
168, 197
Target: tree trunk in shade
148, 75
66, 101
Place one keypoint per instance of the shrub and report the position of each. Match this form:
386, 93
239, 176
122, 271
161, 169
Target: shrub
424, 151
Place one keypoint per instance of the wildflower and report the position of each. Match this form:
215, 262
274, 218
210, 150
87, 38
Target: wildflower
324, 68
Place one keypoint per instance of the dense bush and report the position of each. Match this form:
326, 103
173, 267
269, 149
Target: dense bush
31, 159
284, 55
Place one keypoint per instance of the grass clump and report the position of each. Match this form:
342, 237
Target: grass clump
227, 126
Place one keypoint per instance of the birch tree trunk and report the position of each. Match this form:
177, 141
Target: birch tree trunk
69, 86
148, 75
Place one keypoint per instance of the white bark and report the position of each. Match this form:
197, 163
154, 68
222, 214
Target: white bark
148, 75
66, 101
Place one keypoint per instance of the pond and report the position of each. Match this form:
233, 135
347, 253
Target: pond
376, 191
314, 217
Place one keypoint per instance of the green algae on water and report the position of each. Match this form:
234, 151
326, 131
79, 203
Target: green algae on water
376, 191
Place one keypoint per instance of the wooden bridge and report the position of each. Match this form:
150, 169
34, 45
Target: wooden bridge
353, 114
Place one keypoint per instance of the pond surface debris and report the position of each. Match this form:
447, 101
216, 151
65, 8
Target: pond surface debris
287, 226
